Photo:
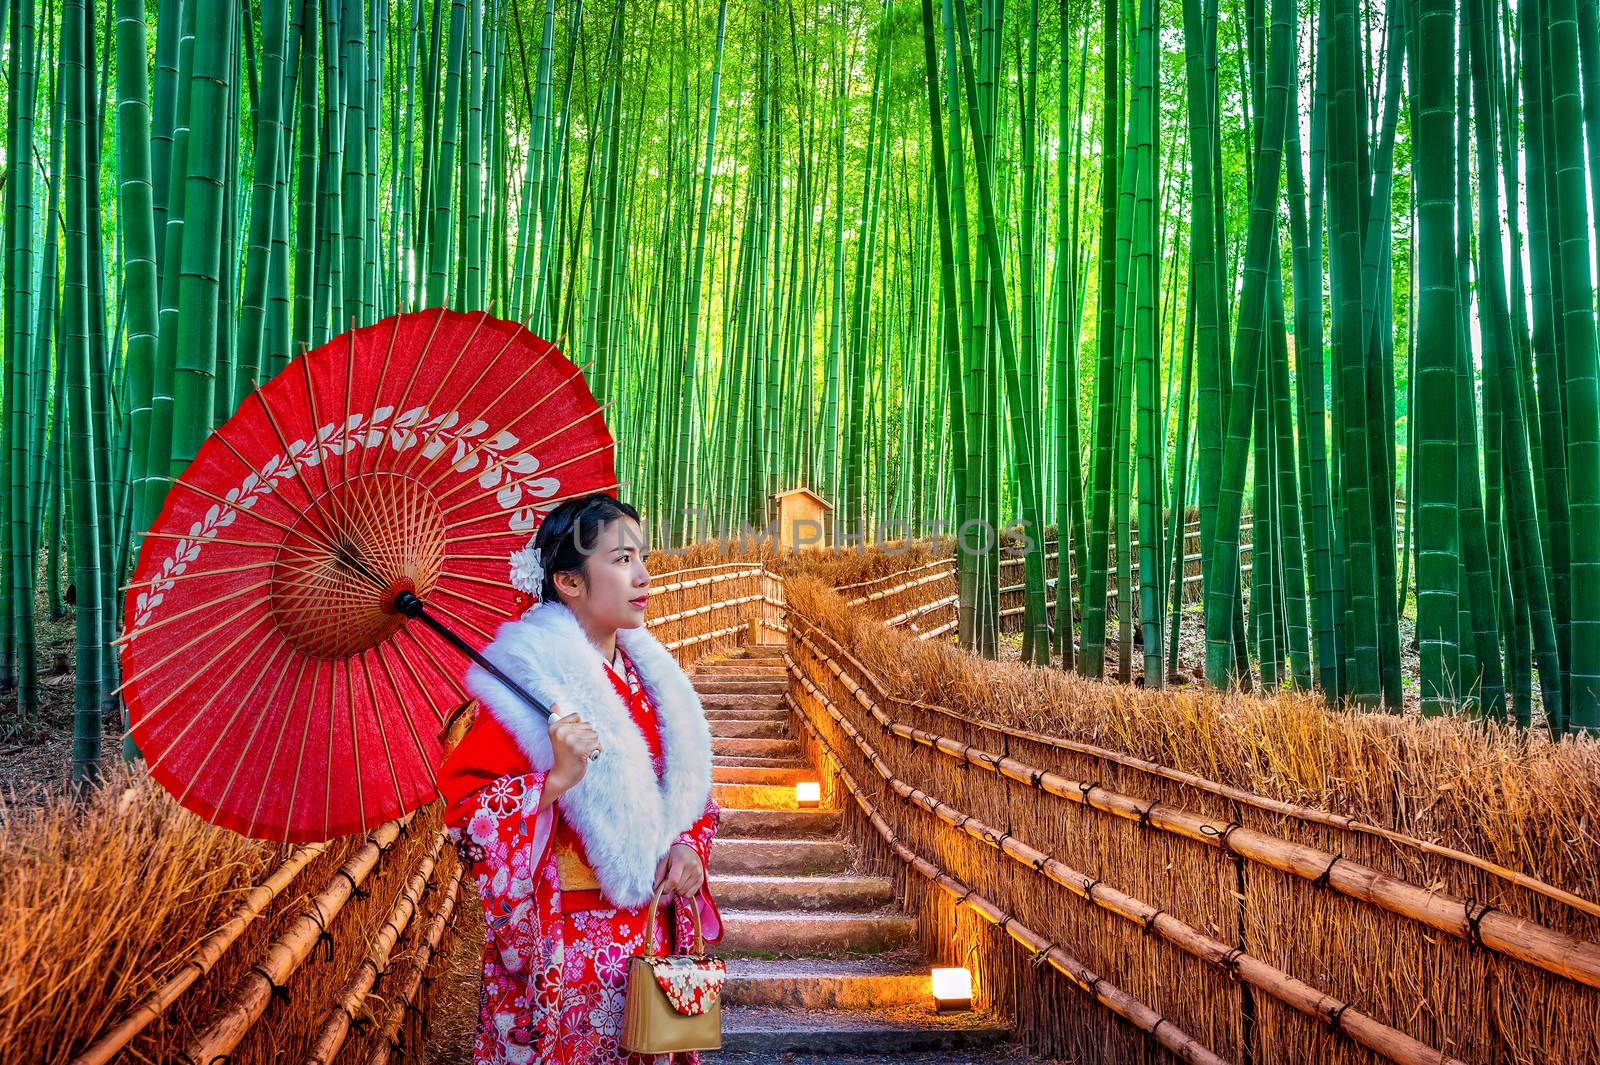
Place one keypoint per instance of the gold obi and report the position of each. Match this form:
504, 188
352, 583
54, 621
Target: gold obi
575, 873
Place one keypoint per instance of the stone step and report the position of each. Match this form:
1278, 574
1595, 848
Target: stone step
772, 709
782, 824
744, 728
1006, 1052
754, 796
785, 748
742, 685
845, 892
741, 667
870, 981
761, 932
775, 857
774, 1033
785, 762
758, 652
744, 705
785, 775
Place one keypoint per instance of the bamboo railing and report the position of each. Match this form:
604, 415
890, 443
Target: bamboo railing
1375, 1036
1263, 930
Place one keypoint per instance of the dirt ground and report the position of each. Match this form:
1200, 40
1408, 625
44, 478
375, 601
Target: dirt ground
36, 755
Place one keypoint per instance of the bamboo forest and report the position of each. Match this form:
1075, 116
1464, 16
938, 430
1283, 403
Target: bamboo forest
823, 532
1273, 321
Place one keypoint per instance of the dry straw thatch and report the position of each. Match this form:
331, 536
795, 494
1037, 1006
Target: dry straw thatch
109, 902
1506, 798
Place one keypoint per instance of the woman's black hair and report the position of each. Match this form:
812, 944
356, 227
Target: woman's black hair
567, 536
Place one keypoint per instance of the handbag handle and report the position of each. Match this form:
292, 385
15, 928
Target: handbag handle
650, 925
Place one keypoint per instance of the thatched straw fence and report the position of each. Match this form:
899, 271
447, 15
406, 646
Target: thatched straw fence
133, 931
1264, 879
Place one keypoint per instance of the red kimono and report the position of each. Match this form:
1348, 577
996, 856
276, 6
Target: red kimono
555, 960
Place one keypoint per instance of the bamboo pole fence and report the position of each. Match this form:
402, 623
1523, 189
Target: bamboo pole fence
1267, 930
1362, 1029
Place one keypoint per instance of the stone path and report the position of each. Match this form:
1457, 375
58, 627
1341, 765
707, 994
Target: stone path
822, 964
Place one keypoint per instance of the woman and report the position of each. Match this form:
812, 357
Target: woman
566, 851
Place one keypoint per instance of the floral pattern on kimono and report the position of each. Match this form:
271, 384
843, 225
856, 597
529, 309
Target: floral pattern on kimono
553, 982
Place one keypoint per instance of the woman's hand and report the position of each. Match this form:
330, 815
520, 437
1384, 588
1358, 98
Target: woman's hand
571, 741
679, 872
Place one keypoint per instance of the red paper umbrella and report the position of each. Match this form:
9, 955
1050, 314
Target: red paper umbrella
296, 626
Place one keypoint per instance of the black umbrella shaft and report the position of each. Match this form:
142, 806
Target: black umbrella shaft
412, 607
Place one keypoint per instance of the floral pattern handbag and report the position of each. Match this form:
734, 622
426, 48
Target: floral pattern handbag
674, 1002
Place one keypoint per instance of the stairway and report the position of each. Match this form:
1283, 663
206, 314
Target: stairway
822, 964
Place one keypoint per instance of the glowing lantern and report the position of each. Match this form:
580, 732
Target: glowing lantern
807, 794
952, 989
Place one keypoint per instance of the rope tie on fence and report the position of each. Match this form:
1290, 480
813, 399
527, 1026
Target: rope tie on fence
356, 889
279, 991
1475, 922
1322, 878
1336, 1018
1159, 1022
1149, 921
1089, 884
1000, 840
1144, 815
1086, 789
1040, 956
1222, 835
1230, 962
961, 824
324, 938
1039, 863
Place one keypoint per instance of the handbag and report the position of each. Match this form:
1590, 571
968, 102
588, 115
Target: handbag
674, 1002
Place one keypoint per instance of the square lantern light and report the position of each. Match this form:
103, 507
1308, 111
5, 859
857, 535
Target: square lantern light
808, 794
952, 989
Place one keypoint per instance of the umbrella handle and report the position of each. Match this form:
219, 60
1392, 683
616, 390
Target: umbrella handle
409, 604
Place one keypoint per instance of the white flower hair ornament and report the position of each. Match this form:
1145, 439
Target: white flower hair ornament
527, 571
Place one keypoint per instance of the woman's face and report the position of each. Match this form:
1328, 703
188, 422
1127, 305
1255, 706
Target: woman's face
611, 593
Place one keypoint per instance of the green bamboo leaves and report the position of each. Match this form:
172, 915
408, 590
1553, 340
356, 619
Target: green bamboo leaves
1000, 268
